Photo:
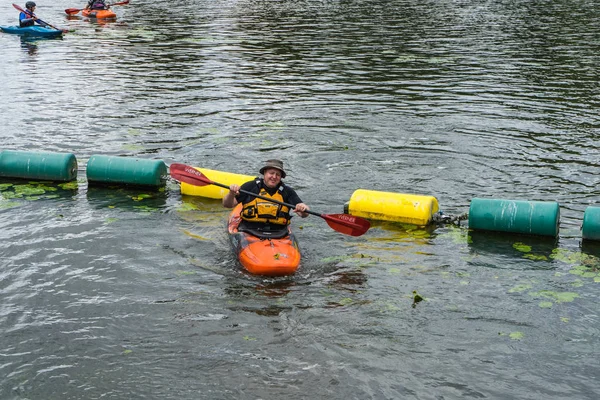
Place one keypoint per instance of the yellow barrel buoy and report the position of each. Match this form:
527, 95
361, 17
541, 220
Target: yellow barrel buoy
214, 191
398, 207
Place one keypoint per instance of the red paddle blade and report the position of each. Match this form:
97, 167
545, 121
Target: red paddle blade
72, 11
187, 174
121, 3
347, 224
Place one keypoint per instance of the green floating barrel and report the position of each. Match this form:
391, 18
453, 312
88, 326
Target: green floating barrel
516, 216
38, 165
590, 229
126, 171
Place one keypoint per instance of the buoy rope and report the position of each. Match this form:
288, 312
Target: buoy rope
440, 218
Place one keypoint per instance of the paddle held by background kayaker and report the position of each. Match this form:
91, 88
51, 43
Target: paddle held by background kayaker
28, 18
260, 214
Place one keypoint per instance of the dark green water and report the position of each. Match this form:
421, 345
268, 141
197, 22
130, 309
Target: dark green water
127, 294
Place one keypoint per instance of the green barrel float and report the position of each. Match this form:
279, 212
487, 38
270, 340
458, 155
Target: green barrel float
38, 165
516, 216
590, 230
126, 170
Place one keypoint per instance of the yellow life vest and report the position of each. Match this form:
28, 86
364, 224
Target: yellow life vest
259, 210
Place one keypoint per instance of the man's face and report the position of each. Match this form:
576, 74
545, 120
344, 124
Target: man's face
272, 177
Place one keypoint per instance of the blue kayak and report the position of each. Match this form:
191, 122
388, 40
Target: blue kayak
35, 30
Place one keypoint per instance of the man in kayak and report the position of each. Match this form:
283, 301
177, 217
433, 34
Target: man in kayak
263, 215
97, 5
28, 18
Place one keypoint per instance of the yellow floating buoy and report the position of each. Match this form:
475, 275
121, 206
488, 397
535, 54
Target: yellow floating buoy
398, 207
214, 191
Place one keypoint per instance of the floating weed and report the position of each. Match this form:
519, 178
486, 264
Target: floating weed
577, 283
354, 259
536, 257
145, 209
346, 301
578, 270
520, 288
417, 298
333, 259
141, 197
134, 132
564, 319
457, 235
406, 59
47, 188
516, 335
4, 204
445, 274
68, 185
395, 270
545, 304
29, 190
558, 297
278, 125
209, 131
12, 195
111, 220
389, 307
187, 207
522, 247
585, 272
193, 235
180, 272
572, 257
249, 338
5, 186
126, 352
132, 147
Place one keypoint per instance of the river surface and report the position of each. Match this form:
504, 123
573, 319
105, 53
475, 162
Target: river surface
130, 294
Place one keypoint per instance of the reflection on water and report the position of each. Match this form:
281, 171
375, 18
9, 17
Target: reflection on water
29, 45
127, 198
513, 246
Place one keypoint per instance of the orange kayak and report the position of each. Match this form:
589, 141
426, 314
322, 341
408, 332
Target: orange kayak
266, 254
99, 14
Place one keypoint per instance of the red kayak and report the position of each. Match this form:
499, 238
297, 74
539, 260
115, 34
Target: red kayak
260, 253
99, 14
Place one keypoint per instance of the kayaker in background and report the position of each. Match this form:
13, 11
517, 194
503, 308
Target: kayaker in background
97, 5
263, 215
28, 18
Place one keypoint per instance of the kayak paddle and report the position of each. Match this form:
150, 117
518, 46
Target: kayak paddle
72, 11
31, 15
343, 223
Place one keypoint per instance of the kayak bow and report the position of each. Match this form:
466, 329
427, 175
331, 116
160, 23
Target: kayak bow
270, 254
